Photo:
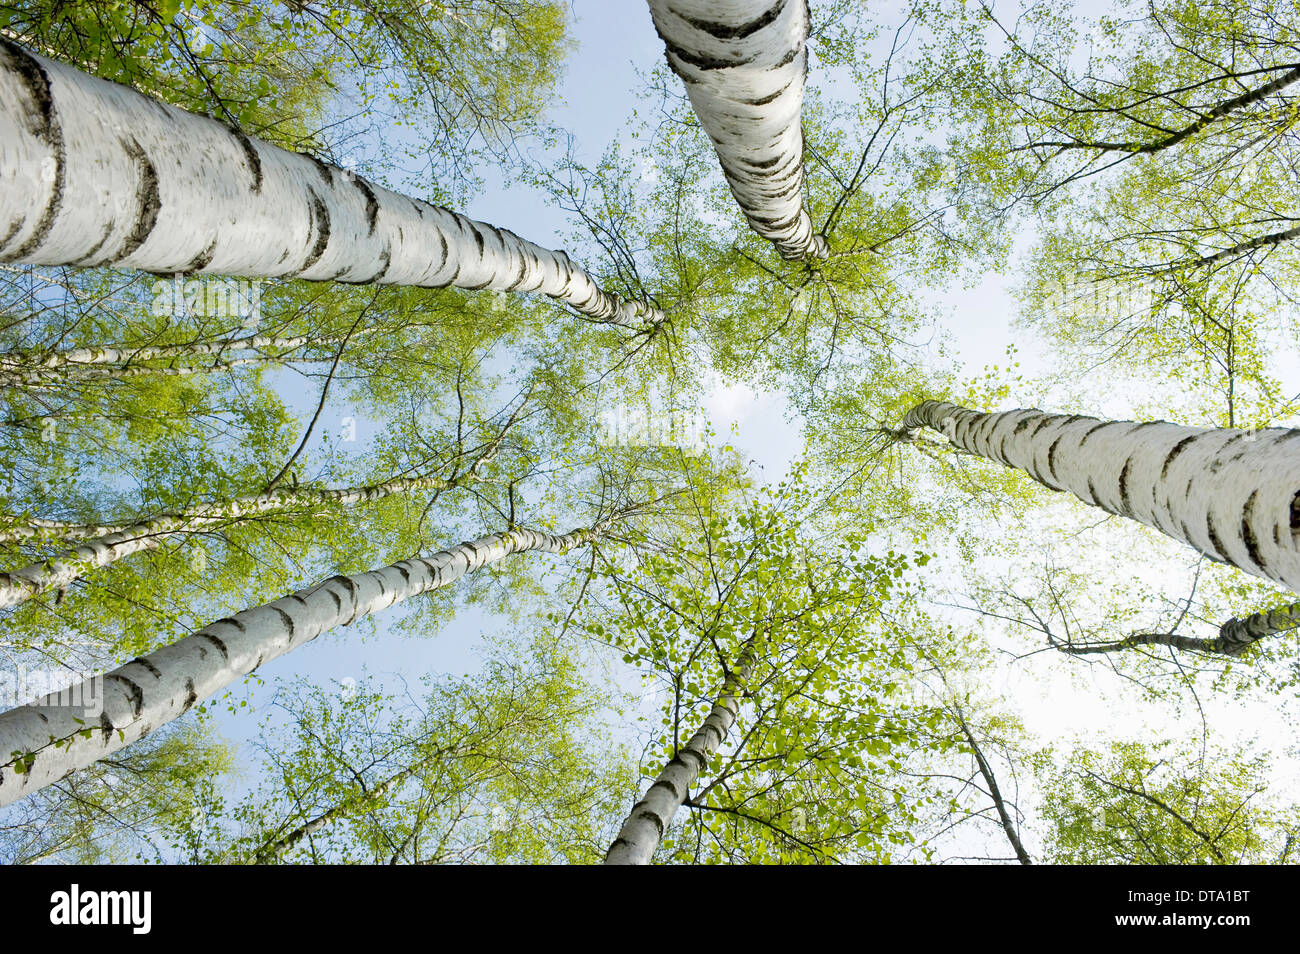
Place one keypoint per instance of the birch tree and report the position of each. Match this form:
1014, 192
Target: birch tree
743, 63
1231, 494
777, 655
116, 544
204, 198
47, 739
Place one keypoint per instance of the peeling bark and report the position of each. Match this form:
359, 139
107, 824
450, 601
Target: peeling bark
743, 63
95, 174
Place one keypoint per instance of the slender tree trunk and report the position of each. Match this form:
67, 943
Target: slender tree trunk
38, 528
93, 173
650, 817
743, 63
999, 803
42, 742
1234, 635
38, 381
19, 366
58, 571
1232, 494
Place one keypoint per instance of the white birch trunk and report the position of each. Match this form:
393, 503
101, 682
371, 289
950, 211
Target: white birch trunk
1232, 494
93, 173
650, 817
743, 63
47, 740
38, 381
17, 367
58, 571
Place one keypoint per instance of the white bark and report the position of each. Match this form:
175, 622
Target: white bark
58, 571
93, 173
17, 367
743, 63
650, 817
1232, 494
44, 741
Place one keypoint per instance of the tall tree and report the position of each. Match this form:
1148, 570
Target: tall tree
743, 63
45, 740
1229, 493
206, 198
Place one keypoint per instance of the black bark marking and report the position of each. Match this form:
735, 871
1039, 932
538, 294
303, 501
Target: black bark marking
372, 203
134, 694
319, 222
1126, 505
1215, 541
478, 238
1173, 455
326, 173
1248, 532
221, 647
723, 31
1051, 457
1092, 430
14, 226
770, 98
94, 249
148, 201
154, 670
1295, 516
759, 164
287, 620
201, 260
191, 696
788, 58
1046, 420
698, 60
42, 121
251, 157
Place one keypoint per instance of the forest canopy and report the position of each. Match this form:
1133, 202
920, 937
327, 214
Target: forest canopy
762, 431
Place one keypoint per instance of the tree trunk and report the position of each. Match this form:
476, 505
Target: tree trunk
650, 817
45, 381
743, 63
42, 742
58, 571
17, 367
1232, 494
93, 173
1234, 636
